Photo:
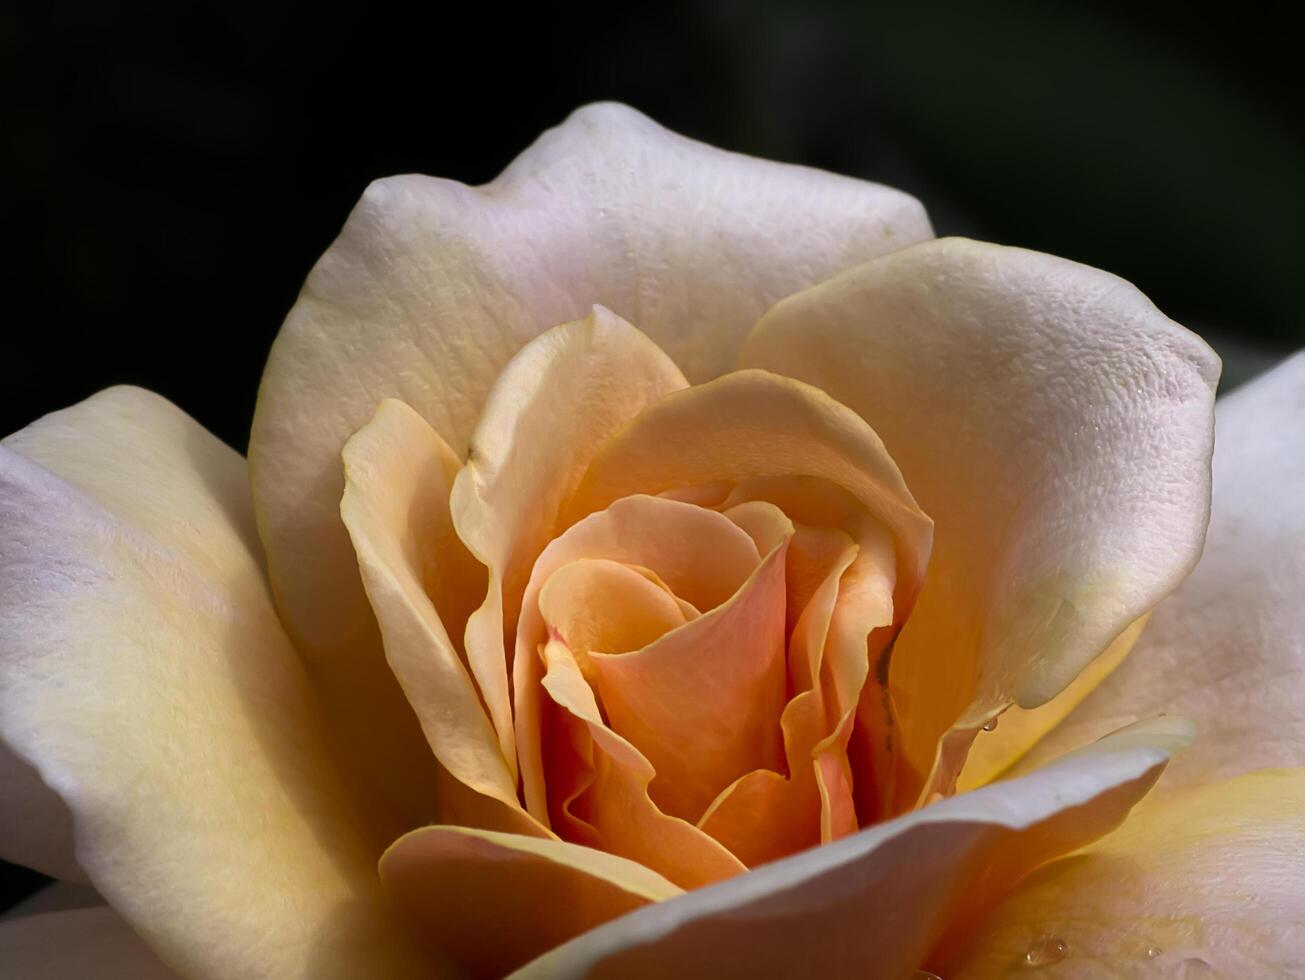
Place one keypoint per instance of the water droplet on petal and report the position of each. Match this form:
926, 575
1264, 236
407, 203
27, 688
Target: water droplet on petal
924, 975
1153, 951
1045, 951
1195, 967
990, 725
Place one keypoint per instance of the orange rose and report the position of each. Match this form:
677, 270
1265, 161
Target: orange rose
603, 631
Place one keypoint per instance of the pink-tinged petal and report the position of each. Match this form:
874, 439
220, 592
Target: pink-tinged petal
145, 676
493, 901
702, 556
422, 584
433, 286
76, 944
885, 897
1228, 649
1055, 425
1207, 882
703, 701
552, 407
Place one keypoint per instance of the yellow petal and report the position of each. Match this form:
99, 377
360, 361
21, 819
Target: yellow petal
885, 895
552, 407
66, 945
492, 901
701, 555
1227, 648
146, 677
1054, 424
1207, 882
433, 286
1009, 737
422, 582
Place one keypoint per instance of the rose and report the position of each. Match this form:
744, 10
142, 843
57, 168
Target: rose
227, 776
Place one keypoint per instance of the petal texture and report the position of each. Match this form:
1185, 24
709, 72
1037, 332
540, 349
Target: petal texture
886, 895
1228, 649
1208, 882
147, 679
1056, 427
432, 286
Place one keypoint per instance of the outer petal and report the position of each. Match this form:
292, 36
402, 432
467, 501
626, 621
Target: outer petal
419, 577
493, 901
1208, 882
74, 944
146, 677
1054, 424
1228, 650
432, 286
882, 896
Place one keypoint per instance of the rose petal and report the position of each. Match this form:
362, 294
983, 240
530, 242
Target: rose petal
1228, 649
1206, 882
756, 424
419, 577
1054, 424
882, 896
703, 701
700, 554
609, 806
146, 677
432, 286
73, 944
1008, 738
492, 901
550, 410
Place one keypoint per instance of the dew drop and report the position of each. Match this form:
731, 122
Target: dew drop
990, 725
1045, 951
1153, 951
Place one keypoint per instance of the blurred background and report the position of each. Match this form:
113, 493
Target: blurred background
171, 171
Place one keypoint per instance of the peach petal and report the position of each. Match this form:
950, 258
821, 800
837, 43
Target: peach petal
492, 901
702, 557
703, 702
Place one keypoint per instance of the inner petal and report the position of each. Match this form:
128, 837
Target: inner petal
703, 702
597, 604
702, 556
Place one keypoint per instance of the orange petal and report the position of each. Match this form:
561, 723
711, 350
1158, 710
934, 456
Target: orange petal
617, 807
492, 901
702, 556
703, 702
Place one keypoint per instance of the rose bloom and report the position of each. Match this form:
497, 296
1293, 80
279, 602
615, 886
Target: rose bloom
661, 562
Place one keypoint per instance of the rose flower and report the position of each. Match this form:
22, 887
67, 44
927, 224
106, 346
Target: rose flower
646, 565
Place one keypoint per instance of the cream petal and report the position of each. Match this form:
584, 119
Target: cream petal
557, 401
146, 677
75, 944
1207, 882
432, 286
1057, 428
1228, 649
422, 581
493, 901
883, 896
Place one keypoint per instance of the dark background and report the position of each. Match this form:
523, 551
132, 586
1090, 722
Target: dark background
172, 171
